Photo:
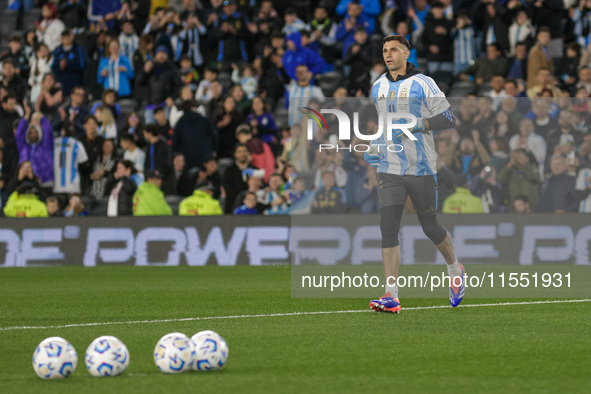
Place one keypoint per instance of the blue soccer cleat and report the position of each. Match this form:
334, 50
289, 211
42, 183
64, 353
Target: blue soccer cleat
386, 303
456, 293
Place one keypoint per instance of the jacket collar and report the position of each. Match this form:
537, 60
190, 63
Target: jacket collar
411, 70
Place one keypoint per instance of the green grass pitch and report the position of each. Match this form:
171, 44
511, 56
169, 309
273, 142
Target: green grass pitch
519, 348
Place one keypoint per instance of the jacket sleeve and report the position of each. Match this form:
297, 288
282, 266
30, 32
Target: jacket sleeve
531, 173
21, 132
129, 74
47, 142
78, 62
503, 176
104, 63
483, 153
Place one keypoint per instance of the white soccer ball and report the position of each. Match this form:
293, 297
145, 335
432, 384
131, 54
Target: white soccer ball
54, 358
174, 353
211, 350
106, 356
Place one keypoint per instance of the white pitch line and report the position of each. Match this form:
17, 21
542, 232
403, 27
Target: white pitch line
416, 308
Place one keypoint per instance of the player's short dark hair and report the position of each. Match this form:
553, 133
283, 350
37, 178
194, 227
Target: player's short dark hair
360, 29
15, 38
520, 43
249, 194
544, 29
66, 32
158, 109
400, 39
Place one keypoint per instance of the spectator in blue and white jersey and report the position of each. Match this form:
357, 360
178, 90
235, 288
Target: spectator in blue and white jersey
520, 31
581, 17
437, 40
116, 71
299, 93
68, 154
190, 36
292, 22
128, 40
464, 43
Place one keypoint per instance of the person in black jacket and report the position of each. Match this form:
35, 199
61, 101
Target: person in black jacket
8, 116
162, 79
121, 189
437, 40
13, 83
194, 136
360, 59
235, 176
495, 28
158, 158
74, 13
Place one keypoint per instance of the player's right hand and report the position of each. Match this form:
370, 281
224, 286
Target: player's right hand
372, 160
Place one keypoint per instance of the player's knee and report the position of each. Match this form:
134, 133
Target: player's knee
432, 229
390, 225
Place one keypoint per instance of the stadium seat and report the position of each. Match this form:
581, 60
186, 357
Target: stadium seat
462, 88
376, 42
174, 202
338, 65
329, 81
8, 21
281, 117
484, 88
127, 106
29, 18
442, 77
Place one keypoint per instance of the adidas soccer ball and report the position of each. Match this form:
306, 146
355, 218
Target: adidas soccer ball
174, 353
106, 356
211, 350
54, 358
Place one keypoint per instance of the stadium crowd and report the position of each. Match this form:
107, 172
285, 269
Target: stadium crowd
126, 107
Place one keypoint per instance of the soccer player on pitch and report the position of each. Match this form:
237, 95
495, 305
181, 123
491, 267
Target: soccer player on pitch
412, 171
